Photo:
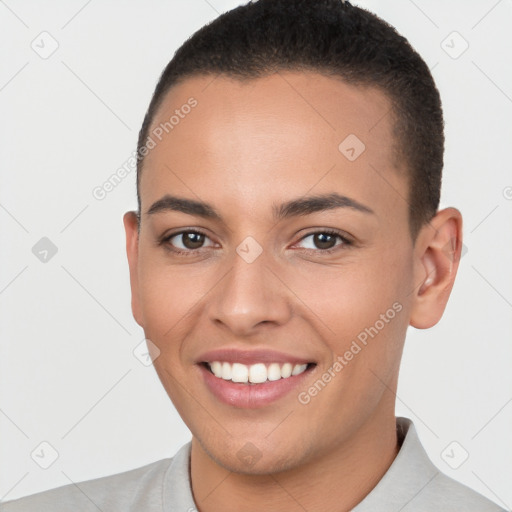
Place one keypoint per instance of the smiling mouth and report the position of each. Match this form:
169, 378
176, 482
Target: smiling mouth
255, 373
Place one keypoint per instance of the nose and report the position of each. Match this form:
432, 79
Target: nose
250, 296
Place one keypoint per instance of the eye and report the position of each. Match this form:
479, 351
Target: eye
187, 241
191, 241
325, 241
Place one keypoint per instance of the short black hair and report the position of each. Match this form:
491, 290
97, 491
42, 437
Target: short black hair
336, 39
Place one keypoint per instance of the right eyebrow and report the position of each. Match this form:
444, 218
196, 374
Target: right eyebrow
180, 204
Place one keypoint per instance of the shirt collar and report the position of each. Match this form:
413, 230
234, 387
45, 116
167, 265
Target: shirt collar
408, 475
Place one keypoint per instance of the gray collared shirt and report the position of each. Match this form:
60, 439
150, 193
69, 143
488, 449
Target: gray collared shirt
412, 483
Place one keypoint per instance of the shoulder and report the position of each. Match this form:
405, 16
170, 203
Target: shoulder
431, 487
413, 483
445, 493
137, 489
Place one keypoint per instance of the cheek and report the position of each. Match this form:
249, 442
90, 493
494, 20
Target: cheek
366, 315
363, 302
168, 296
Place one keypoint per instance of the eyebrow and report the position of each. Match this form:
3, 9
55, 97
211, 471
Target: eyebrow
294, 208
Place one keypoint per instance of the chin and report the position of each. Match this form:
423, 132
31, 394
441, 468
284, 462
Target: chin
247, 457
269, 465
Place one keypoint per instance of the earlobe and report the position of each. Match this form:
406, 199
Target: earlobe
437, 253
131, 226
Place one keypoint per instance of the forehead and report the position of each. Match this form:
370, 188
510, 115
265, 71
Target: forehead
288, 131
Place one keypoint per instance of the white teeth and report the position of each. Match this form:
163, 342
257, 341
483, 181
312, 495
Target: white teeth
239, 373
226, 371
255, 373
274, 372
286, 370
216, 368
299, 368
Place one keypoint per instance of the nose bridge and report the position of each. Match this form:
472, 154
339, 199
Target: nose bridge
249, 294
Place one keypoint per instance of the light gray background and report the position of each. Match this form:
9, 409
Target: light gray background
67, 370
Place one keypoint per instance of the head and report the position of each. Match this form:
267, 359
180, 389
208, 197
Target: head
288, 188
337, 40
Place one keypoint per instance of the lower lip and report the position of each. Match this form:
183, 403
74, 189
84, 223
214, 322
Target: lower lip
250, 396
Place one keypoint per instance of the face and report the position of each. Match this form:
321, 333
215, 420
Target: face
274, 238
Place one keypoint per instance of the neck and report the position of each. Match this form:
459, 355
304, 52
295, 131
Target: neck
337, 481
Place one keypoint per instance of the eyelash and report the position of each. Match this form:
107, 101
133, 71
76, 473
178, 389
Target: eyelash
192, 252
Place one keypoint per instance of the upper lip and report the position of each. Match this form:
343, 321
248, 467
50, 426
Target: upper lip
233, 355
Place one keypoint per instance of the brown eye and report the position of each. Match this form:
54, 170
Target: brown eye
324, 241
187, 241
192, 240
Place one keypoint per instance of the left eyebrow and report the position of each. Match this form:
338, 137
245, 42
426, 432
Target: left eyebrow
294, 208
313, 204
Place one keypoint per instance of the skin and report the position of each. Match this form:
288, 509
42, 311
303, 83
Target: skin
245, 147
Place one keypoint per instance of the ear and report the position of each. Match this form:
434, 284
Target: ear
131, 227
437, 254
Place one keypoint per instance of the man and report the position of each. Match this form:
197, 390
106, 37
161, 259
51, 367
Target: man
287, 235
